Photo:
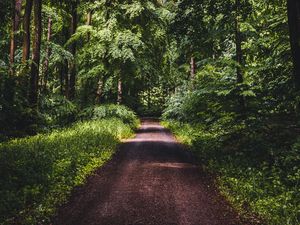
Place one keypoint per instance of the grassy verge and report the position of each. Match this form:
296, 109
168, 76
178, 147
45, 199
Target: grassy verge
38, 173
256, 177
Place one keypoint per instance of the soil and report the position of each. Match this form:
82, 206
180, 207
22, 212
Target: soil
151, 180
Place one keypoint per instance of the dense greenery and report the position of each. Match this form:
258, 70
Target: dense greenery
91, 52
38, 173
110, 111
227, 73
255, 174
239, 112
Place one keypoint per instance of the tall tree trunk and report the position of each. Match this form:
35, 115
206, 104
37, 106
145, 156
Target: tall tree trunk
293, 9
61, 77
12, 38
48, 53
73, 51
119, 99
26, 27
64, 68
33, 92
65, 71
99, 91
89, 22
16, 7
193, 68
239, 53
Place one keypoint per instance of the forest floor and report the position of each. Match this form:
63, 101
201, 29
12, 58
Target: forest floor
152, 179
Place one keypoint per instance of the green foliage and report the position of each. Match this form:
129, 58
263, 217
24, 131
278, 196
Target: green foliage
152, 102
38, 173
58, 111
127, 40
111, 111
16, 118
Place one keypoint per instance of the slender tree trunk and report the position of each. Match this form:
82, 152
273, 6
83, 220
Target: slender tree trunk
12, 38
89, 22
65, 71
293, 9
26, 27
193, 68
119, 99
99, 91
61, 78
33, 92
89, 18
16, 6
239, 53
18, 13
73, 51
48, 53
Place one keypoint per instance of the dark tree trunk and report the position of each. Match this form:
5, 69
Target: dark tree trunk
293, 9
34, 78
16, 7
239, 53
99, 91
18, 13
26, 24
48, 53
73, 51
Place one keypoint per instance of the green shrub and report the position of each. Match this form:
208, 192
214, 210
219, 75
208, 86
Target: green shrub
37, 173
58, 111
110, 111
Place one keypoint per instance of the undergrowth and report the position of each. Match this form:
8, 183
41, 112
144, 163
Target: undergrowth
110, 111
255, 172
38, 173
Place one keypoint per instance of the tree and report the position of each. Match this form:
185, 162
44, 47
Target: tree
293, 9
26, 27
239, 52
48, 52
16, 14
34, 76
73, 50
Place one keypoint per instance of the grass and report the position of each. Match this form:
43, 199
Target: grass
38, 173
258, 177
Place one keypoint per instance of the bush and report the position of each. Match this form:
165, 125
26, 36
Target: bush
58, 111
17, 119
110, 111
38, 173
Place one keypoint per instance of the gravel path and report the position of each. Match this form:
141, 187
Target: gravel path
152, 180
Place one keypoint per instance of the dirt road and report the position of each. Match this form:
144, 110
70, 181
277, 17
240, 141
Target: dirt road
152, 180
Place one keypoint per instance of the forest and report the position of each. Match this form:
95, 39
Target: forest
77, 77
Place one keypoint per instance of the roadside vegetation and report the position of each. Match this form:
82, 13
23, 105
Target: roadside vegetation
38, 173
256, 162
